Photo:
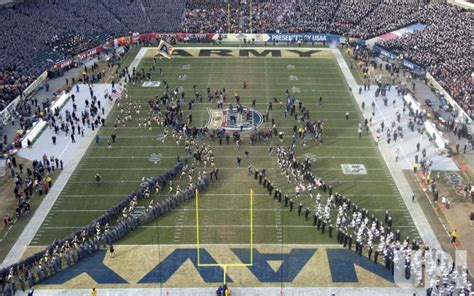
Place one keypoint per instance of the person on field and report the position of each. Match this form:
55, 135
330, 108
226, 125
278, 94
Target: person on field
454, 236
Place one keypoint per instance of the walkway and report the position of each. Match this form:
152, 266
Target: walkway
422, 92
424, 228
42, 95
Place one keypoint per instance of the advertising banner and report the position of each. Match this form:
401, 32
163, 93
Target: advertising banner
411, 66
89, 52
294, 37
280, 37
123, 40
307, 37
64, 64
188, 37
384, 52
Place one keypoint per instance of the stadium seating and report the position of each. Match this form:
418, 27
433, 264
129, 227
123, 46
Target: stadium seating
36, 34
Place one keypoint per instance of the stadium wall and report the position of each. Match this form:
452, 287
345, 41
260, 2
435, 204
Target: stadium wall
463, 116
6, 113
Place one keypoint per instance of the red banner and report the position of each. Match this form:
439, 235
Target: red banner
63, 64
89, 52
147, 36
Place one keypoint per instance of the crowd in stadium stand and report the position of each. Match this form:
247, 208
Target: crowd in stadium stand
368, 19
440, 48
37, 34
443, 48
12, 83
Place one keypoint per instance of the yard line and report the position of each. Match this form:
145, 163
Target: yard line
245, 226
139, 181
221, 245
62, 227
318, 169
93, 195
286, 79
178, 230
309, 135
211, 226
77, 211
286, 85
243, 99
227, 194
226, 147
159, 128
346, 195
262, 210
285, 74
227, 156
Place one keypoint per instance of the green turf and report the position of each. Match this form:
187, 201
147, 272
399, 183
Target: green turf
224, 207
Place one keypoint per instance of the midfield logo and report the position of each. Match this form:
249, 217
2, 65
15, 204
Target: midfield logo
233, 119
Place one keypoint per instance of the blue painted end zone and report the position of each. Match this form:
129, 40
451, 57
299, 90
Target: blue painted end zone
292, 264
164, 270
341, 264
93, 266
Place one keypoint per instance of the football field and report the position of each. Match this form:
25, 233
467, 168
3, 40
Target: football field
351, 164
